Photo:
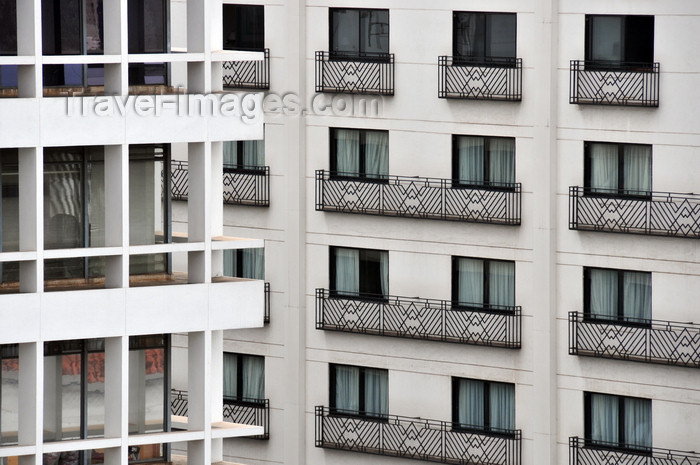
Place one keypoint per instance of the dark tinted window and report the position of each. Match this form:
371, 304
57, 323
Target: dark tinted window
480, 35
620, 38
244, 27
362, 32
8, 27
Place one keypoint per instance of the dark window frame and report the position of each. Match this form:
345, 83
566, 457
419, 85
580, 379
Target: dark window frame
486, 306
487, 183
622, 192
362, 294
239, 166
362, 412
487, 428
138, 72
622, 445
624, 62
362, 174
487, 59
242, 14
360, 55
9, 29
620, 319
239, 399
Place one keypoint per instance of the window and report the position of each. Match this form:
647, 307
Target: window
8, 27
483, 161
9, 394
617, 169
245, 263
482, 37
244, 27
359, 272
359, 33
619, 40
9, 200
482, 283
617, 295
617, 421
359, 391
244, 154
244, 378
148, 32
483, 405
360, 153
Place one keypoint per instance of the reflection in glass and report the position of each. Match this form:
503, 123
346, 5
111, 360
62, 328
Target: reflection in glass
62, 376
9, 394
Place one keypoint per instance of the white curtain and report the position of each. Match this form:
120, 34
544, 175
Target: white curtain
637, 168
253, 263
253, 377
347, 388
230, 263
230, 375
502, 405
471, 281
637, 295
230, 149
606, 38
347, 271
637, 422
376, 154
502, 160
384, 272
470, 153
603, 298
466, 39
605, 418
347, 150
470, 398
604, 167
502, 283
376, 392
253, 153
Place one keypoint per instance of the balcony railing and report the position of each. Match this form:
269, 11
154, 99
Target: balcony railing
245, 411
415, 438
243, 185
655, 213
495, 79
581, 453
415, 197
614, 83
434, 320
266, 318
248, 74
651, 341
355, 73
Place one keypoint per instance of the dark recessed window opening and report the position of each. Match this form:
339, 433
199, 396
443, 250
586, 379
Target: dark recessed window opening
245, 263
482, 283
148, 33
484, 38
244, 155
359, 391
359, 153
244, 27
244, 377
359, 33
615, 40
483, 405
359, 272
617, 421
483, 162
617, 295
617, 169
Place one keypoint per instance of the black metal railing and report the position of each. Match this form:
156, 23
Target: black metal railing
490, 79
415, 197
651, 341
355, 73
243, 185
244, 411
266, 318
653, 213
581, 452
248, 74
410, 317
415, 438
614, 83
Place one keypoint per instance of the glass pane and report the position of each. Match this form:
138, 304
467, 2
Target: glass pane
253, 377
501, 40
606, 38
346, 280
347, 388
62, 385
502, 405
9, 200
63, 75
146, 390
470, 159
603, 293
95, 75
637, 169
374, 31
502, 283
470, 284
376, 150
94, 26
345, 29
8, 27
603, 174
469, 35
230, 376
148, 74
244, 27
604, 418
373, 272
637, 422
8, 76
502, 160
637, 295
147, 26
347, 151
146, 195
9, 397
95, 394
470, 403
63, 198
61, 27
376, 392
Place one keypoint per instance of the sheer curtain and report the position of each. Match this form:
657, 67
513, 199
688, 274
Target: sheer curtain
347, 388
376, 392
230, 263
254, 153
637, 295
470, 403
347, 151
253, 377
470, 153
605, 418
376, 154
502, 160
384, 272
603, 298
347, 271
637, 422
465, 40
230, 149
502, 283
604, 167
253, 263
230, 375
470, 288
637, 168
502, 405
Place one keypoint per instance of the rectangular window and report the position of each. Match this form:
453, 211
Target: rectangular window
359, 153
148, 33
359, 33
8, 27
482, 283
9, 394
359, 391
614, 40
359, 272
244, 27
483, 161
618, 295
244, 378
148, 383
617, 169
245, 263
480, 37
244, 154
9, 200
483, 405
617, 421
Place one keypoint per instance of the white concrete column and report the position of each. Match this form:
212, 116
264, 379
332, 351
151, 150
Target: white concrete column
116, 397
198, 202
216, 204
31, 211
199, 395
31, 399
216, 387
116, 213
115, 43
29, 43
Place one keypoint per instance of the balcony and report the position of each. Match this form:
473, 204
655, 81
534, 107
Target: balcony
651, 341
243, 185
627, 84
413, 318
495, 79
354, 73
247, 74
415, 438
247, 411
581, 453
415, 197
650, 213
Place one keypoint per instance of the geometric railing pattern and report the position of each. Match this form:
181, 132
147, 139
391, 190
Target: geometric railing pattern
242, 185
599, 83
497, 79
659, 214
416, 197
247, 74
254, 412
413, 438
414, 318
651, 341
583, 453
354, 73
